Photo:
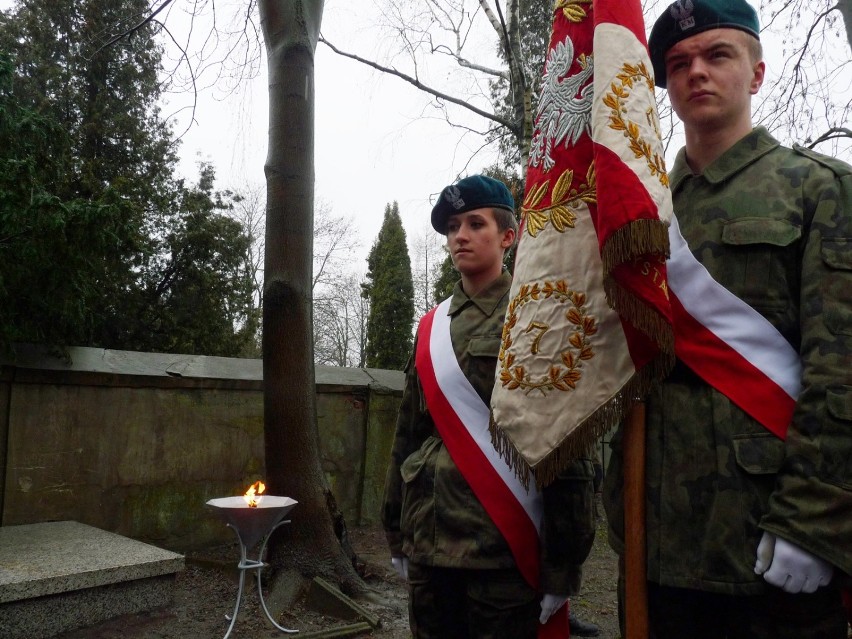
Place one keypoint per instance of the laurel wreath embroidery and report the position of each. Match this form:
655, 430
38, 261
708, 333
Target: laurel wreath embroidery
567, 374
573, 9
619, 121
562, 200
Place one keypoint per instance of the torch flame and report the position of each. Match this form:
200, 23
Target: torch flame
256, 488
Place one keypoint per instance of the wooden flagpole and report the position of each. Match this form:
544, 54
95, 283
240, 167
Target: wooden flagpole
635, 570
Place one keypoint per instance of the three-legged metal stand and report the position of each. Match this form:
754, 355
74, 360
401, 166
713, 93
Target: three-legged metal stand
257, 565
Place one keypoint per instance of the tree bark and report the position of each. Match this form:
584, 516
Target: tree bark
845, 7
312, 544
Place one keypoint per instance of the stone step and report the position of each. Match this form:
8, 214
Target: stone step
59, 576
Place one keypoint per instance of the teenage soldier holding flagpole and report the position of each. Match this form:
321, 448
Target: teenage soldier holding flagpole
749, 439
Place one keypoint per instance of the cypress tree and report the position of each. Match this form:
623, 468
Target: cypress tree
447, 278
390, 289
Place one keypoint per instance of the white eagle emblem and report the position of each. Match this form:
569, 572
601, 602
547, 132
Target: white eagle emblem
564, 111
453, 195
682, 12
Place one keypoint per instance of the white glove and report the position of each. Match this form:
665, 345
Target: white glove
400, 565
549, 605
787, 566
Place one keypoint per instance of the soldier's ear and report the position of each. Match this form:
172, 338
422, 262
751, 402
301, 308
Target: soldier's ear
758, 73
508, 238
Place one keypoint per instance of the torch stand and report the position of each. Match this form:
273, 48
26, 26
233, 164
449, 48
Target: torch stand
251, 525
257, 565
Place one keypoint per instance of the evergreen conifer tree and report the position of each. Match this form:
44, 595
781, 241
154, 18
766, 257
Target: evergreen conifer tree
100, 244
390, 289
447, 278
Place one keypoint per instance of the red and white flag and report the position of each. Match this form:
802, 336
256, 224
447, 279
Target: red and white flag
588, 326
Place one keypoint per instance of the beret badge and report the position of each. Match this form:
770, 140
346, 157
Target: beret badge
453, 195
682, 12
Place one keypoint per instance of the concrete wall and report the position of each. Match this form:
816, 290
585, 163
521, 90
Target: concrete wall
136, 443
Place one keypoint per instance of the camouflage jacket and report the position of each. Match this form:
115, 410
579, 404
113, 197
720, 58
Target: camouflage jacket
430, 513
774, 226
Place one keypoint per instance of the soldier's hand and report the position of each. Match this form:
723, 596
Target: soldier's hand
785, 565
400, 565
549, 605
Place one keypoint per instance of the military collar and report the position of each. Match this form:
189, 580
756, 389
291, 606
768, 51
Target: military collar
487, 300
745, 152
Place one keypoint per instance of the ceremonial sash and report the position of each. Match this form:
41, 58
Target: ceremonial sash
461, 418
729, 344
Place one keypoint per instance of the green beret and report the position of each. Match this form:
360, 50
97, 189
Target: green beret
686, 18
474, 192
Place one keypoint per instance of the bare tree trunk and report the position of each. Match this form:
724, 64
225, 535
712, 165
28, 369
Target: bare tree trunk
290, 31
845, 7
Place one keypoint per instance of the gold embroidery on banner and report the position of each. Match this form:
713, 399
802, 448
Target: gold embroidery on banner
542, 328
566, 374
619, 121
573, 9
562, 200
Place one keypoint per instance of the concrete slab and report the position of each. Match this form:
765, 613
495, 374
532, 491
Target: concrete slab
59, 576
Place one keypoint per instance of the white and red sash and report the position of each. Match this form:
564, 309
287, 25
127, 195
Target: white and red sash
729, 344
461, 418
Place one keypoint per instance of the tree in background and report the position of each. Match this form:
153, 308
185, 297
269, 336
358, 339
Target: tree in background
106, 247
340, 323
195, 292
106, 102
40, 301
446, 280
390, 290
340, 312
318, 545
428, 252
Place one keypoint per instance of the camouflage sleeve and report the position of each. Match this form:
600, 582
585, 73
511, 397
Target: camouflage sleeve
568, 528
812, 502
407, 439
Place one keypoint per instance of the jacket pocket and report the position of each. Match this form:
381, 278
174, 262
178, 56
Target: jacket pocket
835, 453
418, 491
414, 463
762, 251
760, 230
759, 457
481, 365
760, 454
836, 254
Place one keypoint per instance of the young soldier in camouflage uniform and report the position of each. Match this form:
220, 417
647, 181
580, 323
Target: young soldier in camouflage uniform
749, 535
463, 580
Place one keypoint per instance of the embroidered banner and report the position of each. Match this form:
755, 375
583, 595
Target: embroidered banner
461, 418
588, 325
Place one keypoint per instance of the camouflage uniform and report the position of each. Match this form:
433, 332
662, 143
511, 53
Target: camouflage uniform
430, 513
773, 226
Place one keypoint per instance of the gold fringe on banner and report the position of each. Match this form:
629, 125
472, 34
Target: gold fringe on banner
634, 240
580, 440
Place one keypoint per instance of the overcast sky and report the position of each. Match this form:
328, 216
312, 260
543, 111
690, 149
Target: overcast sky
376, 138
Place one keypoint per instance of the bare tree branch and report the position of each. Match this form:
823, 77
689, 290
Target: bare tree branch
133, 29
423, 87
832, 134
